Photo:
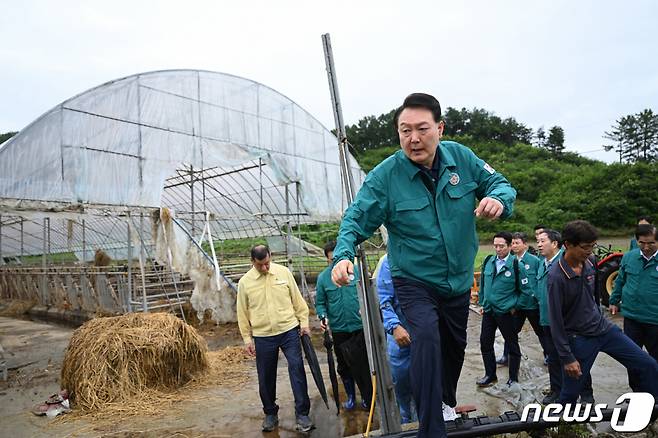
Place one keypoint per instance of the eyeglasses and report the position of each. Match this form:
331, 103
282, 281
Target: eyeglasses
587, 246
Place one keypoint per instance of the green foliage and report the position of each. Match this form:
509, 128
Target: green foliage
368, 160
555, 142
317, 234
554, 190
481, 124
374, 132
635, 137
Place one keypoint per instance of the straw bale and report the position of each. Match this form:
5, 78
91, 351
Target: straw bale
117, 359
229, 368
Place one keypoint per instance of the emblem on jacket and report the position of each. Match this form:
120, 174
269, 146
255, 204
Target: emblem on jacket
454, 179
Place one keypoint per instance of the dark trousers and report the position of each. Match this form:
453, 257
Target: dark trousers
554, 365
533, 317
621, 348
506, 323
267, 358
555, 370
352, 358
644, 335
437, 326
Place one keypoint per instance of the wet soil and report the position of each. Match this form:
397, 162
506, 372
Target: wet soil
35, 350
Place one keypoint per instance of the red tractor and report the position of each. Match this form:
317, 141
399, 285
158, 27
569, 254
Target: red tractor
608, 268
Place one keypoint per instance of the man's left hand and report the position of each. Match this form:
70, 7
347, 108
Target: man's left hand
490, 208
304, 331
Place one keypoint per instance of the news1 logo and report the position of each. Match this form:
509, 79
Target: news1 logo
638, 412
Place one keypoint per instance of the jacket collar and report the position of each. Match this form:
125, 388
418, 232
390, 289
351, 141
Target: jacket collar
446, 161
568, 272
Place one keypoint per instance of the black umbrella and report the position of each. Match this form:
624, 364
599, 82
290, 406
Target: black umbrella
314, 365
329, 345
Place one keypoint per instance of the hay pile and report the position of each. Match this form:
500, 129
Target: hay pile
128, 358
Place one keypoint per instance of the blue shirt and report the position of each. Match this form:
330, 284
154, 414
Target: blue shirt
388, 301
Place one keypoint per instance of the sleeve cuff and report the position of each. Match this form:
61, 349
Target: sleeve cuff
567, 359
247, 340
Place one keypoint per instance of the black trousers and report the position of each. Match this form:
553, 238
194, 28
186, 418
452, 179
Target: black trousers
506, 323
533, 317
437, 326
644, 335
352, 358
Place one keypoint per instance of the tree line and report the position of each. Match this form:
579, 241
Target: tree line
635, 137
374, 132
554, 186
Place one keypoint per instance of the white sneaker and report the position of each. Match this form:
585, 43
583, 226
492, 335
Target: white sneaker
449, 413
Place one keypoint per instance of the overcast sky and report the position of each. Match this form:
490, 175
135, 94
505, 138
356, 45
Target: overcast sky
577, 64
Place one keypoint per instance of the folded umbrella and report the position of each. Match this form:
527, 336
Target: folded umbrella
329, 345
314, 365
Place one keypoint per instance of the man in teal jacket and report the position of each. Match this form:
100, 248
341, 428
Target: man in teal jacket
642, 220
528, 306
338, 307
636, 294
500, 289
426, 196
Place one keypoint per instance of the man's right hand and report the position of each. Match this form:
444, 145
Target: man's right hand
573, 369
341, 272
401, 336
613, 309
324, 324
250, 348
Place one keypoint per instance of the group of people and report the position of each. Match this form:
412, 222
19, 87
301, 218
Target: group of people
428, 195
562, 305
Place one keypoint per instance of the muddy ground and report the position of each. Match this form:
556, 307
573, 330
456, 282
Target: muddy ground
34, 351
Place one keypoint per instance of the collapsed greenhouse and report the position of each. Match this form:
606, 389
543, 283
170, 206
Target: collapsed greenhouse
158, 169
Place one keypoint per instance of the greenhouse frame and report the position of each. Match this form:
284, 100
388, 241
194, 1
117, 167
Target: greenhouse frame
222, 156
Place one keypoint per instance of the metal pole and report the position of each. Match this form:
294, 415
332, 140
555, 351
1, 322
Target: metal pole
84, 243
44, 262
373, 328
22, 242
129, 305
1, 259
299, 236
192, 198
142, 249
288, 229
48, 253
260, 183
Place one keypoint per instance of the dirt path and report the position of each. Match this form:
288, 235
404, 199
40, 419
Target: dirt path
35, 351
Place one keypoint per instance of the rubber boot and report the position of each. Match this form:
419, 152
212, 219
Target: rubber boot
350, 390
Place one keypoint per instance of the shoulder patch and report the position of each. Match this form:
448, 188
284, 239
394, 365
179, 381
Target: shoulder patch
489, 169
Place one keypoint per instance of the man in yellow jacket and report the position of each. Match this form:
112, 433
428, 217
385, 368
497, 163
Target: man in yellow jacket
272, 314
